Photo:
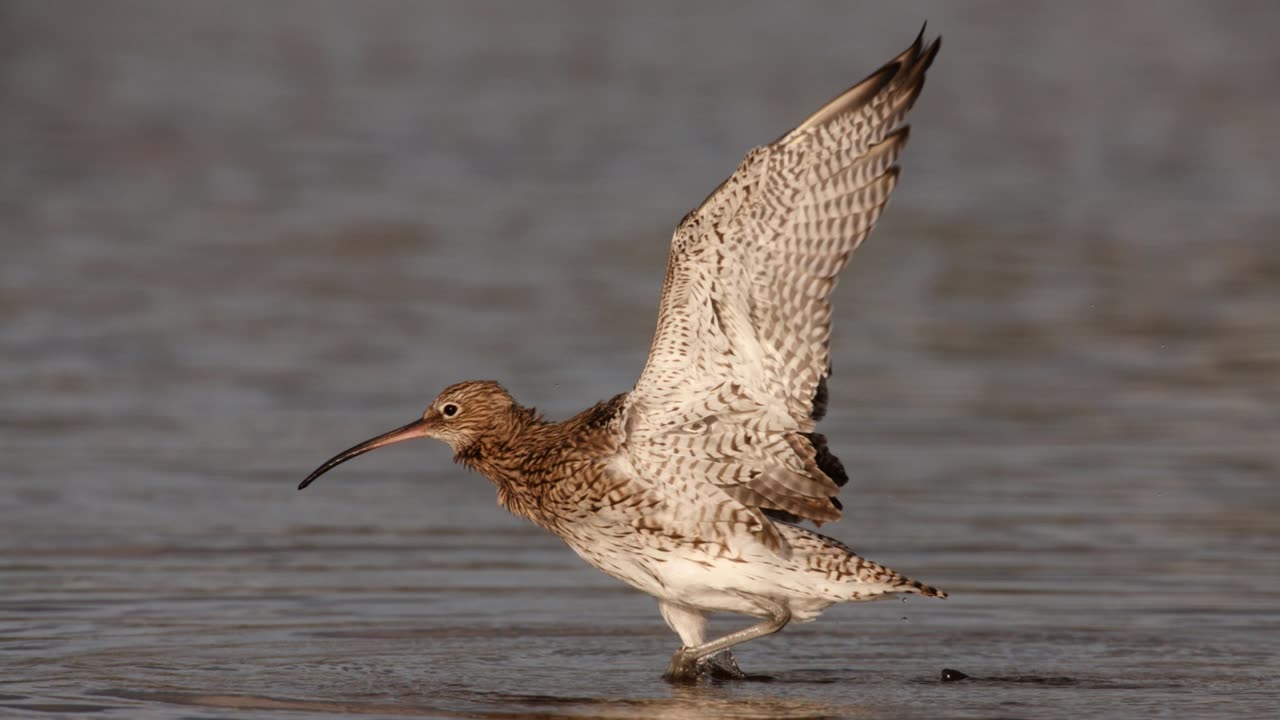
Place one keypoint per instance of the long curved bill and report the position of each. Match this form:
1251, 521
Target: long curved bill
415, 429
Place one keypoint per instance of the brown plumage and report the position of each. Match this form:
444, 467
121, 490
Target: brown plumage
690, 487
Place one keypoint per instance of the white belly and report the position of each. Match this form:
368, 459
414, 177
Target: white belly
709, 581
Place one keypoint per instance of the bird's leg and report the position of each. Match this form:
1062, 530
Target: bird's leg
691, 625
714, 656
768, 627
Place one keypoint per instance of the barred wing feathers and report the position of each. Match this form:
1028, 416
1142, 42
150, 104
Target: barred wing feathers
736, 377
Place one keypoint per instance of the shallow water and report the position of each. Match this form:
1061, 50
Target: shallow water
237, 239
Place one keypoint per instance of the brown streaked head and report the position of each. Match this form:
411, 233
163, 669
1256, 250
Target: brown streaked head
461, 415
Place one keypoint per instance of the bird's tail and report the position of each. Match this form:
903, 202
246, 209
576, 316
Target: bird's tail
915, 586
860, 578
894, 581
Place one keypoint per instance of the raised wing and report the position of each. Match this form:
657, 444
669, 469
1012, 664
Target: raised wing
736, 377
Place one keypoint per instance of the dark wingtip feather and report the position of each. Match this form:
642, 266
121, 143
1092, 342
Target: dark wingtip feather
820, 399
907, 69
919, 42
915, 71
931, 52
826, 460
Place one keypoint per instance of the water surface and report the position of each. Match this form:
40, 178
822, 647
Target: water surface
239, 237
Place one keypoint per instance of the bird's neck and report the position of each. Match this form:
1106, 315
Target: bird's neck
530, 457
492, 453
507, 456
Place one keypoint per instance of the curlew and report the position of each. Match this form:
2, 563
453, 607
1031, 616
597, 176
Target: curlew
693, 486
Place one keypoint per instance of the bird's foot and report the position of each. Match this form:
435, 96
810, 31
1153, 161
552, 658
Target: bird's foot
683, 669
721, 666
686, 670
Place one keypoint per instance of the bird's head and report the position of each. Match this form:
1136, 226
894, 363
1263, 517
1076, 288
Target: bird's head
463, 415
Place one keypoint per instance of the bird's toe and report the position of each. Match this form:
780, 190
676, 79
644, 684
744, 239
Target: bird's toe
721, 666
686, 669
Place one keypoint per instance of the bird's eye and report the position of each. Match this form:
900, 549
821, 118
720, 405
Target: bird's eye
449, 410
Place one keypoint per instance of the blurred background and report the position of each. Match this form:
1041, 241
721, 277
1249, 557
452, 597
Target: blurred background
238, 237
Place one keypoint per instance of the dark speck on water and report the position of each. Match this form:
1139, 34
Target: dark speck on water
237, 237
